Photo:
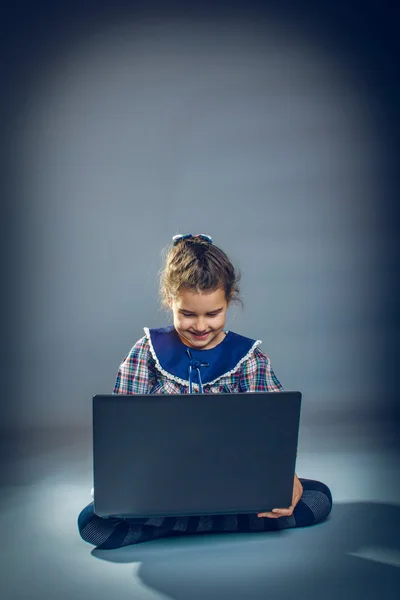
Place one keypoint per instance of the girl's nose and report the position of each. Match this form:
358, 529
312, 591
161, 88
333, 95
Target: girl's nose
200, 325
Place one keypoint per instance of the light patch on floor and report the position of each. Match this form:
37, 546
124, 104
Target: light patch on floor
387, 556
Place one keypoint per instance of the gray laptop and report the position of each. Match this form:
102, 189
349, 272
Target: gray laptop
170, 455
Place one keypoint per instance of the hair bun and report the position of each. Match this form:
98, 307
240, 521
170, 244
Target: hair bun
189, 237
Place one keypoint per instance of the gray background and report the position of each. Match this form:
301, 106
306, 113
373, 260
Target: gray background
272, 126
269, 129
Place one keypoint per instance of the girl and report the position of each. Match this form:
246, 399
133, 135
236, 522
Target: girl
197, 355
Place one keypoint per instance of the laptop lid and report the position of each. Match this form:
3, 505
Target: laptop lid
175, 455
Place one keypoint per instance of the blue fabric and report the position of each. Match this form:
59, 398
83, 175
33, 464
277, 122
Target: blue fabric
173, 357
194, 367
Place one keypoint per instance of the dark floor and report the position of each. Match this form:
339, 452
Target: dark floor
46, 480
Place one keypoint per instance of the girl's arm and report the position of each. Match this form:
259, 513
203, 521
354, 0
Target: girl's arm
257, 375
136, 372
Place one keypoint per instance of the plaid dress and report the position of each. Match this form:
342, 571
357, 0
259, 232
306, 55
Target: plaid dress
240, 366
158, 364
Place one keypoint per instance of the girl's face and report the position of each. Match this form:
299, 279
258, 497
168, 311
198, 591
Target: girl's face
199, 318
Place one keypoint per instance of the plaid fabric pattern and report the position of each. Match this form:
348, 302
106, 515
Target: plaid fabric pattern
138, 374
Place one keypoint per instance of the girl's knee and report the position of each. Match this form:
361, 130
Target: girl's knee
100, 532
323, 489
85, 518
318, 497
317, 486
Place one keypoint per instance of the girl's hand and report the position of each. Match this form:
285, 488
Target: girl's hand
286, 512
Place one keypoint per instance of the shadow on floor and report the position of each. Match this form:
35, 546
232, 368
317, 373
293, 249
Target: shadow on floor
355, 553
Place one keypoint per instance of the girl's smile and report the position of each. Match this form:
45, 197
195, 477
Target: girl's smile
200, 336
199, 318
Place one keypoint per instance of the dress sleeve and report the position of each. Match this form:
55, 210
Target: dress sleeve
136, 372
257, 375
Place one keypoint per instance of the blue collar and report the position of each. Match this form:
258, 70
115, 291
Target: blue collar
172, 357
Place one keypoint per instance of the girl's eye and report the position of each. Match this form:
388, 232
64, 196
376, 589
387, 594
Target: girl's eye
192, 315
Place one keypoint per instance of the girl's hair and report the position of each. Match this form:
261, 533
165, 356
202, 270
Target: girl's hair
197, 265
